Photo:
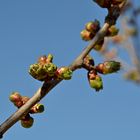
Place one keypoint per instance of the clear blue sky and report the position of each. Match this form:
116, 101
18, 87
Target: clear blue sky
74, 111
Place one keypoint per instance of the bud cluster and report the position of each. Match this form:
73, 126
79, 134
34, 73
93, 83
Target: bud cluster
94, 79
91, 28
46, 70
18, 101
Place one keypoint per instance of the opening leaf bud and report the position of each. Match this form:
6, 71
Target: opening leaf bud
37, 72
64, 73
108, 67
95, 81
50, 69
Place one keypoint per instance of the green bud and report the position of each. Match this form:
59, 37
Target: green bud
96, 83
37, 72
50, 69
108, 67
64, 73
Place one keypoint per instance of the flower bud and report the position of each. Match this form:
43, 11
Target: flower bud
27, 121
42, 60
16, 98
50, 69
112, 31
37, 72
86, 35
95, 80
93, 26
99, 45
64, 73
38, 108
45, 59
103, 3
108, 67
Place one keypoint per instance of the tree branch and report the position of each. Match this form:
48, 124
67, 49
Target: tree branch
47, 87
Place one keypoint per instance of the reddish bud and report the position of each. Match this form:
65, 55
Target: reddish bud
64, 73
15, 97
93, 26
45, 59
86, 35
108, 67
42, 60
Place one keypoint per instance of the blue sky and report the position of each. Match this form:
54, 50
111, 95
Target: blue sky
31, 28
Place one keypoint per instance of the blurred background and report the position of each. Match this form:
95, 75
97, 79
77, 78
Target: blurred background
31, 28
